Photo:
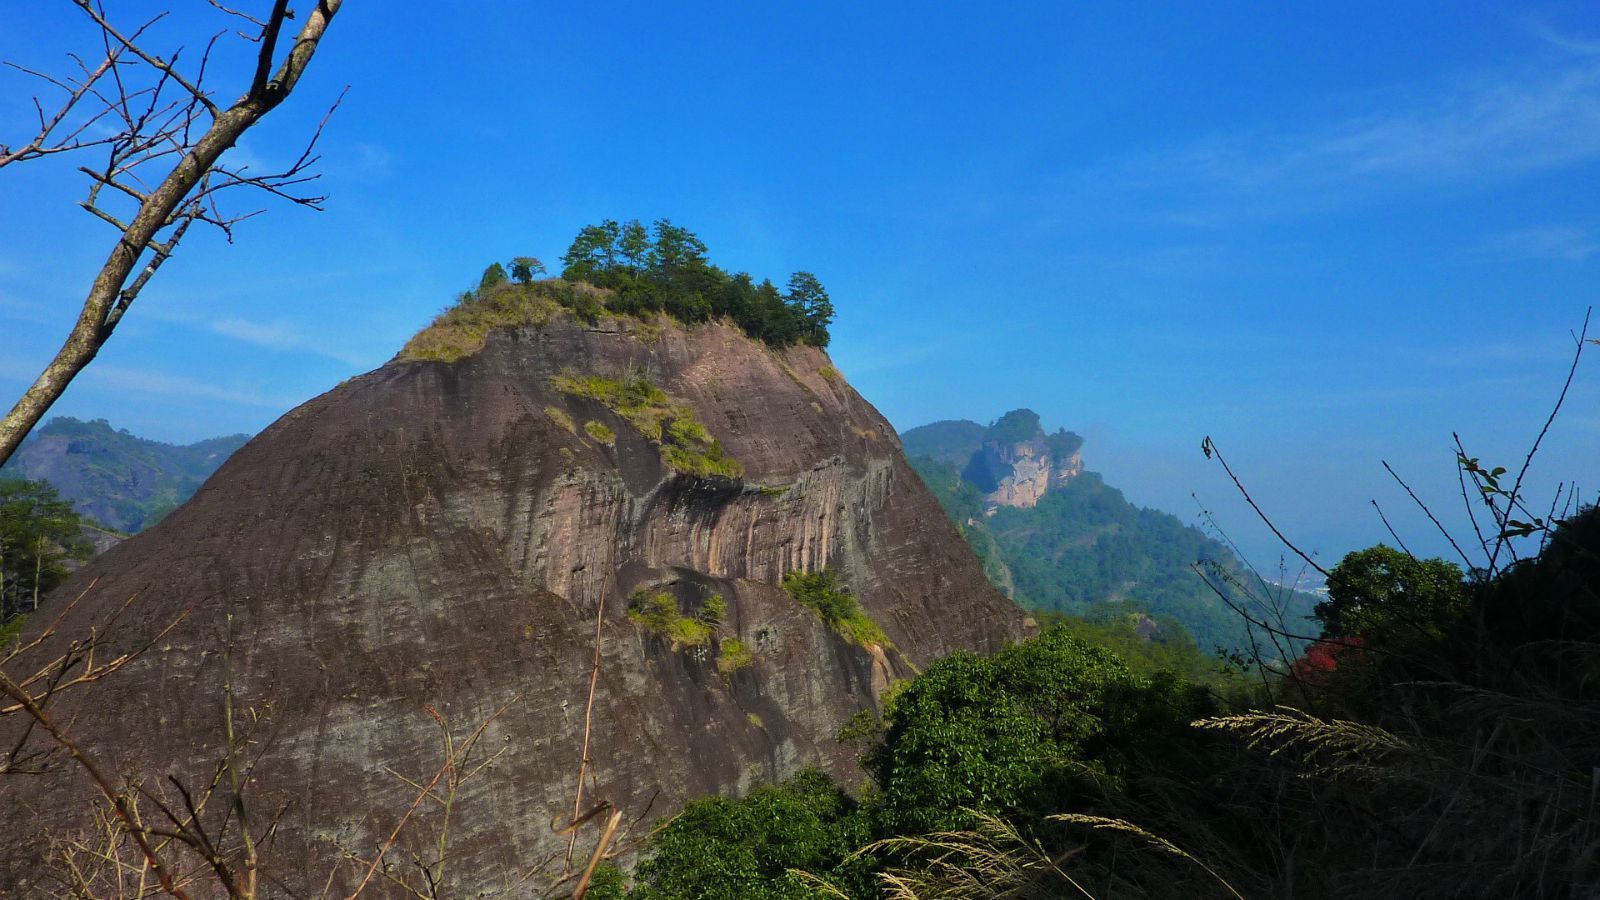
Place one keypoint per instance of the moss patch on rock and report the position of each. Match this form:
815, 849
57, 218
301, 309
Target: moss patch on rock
685, 444
733, 655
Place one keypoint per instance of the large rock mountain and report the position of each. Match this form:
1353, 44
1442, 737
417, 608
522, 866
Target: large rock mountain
118, 480
447, 536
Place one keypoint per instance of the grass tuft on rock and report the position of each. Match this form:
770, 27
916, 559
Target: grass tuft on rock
657, 613
560, 417
733, 655
821, 593
460, 331
686, 445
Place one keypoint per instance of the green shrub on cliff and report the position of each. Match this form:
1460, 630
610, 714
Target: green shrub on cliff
733, 655
1036, 728
657, 613
685, 444
821, 593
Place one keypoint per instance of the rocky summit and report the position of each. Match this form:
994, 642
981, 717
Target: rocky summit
1013, 462
436, 541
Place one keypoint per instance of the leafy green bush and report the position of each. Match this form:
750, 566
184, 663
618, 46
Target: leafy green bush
821, 593
724, 849
1381, 594
600, 432
1030, 728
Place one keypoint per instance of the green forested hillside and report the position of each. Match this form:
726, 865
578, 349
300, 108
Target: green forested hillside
1085, 550
120, 481
950, 441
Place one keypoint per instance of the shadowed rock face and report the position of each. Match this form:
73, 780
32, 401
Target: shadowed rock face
433, 535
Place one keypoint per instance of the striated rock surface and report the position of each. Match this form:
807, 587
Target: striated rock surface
447, 536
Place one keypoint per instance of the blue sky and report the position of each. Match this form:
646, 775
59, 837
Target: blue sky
1324, 236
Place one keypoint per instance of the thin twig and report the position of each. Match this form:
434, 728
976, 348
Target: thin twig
1209, 448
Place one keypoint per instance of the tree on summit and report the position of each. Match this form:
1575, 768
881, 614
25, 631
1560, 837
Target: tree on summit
494, 276
807, 297
665, 268
593, 252
524, 268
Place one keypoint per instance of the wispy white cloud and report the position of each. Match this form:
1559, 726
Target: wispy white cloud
1468, 131
371, 161
1546, 242
118, 379
160, 384
1575, 44
283, 337
1520, 357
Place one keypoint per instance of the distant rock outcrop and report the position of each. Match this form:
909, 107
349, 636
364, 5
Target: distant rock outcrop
447, 536
1057, 538
1013, 462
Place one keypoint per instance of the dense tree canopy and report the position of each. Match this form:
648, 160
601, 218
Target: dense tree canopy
39, 532
725, 849
665, 268
1382, 592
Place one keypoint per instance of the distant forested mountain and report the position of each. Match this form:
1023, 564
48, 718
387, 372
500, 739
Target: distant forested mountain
1074, 544
121, 481
950, 441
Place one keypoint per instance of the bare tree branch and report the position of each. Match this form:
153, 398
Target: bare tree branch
186, 137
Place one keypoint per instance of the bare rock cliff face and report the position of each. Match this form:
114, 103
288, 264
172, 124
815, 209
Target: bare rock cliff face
447, 536
1023, 472
1030, 475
